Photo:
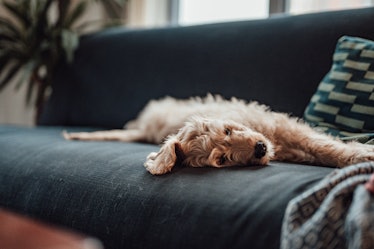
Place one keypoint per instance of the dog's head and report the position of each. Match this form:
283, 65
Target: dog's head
211, 142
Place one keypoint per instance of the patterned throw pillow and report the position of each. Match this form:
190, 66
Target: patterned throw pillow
344, 101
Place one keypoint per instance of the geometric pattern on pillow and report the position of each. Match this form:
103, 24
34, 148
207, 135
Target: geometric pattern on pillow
344, 100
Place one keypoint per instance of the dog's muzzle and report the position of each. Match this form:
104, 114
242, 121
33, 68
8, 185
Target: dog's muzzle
260, 149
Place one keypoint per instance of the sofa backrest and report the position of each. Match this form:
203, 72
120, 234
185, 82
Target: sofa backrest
278, 61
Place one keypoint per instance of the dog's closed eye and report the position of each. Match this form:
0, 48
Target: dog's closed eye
228, 131
222, 160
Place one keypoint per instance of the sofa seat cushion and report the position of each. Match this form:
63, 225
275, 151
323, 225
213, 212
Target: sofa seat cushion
102, 189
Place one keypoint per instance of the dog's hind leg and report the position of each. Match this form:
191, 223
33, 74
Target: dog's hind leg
295, 141
334, 152
302, 144
109, 135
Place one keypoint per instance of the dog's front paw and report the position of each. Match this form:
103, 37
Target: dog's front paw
66, 135
154, 166
162, 162
75, 135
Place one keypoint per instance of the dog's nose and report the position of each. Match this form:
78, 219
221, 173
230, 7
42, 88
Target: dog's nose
260, 149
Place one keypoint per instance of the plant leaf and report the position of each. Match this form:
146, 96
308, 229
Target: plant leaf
113, 8
75, 14
26, 71
9, 28
31, 84
70, 42
10, 74
18, 10
5, 58
41, 19
63, 8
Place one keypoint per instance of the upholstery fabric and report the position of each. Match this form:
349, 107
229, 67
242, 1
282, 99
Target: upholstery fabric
102, 188
344, 100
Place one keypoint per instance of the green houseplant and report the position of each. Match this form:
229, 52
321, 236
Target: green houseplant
35, 35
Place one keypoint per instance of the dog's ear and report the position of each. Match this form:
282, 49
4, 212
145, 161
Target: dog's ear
162, 162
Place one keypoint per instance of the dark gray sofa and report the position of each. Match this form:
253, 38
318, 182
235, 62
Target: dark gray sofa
102, 188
